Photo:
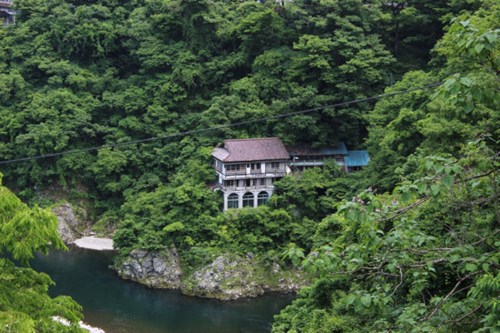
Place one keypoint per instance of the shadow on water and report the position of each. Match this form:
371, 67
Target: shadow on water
119, 306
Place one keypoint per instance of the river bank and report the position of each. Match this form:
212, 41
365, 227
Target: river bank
227, 276
94, 243
119, 306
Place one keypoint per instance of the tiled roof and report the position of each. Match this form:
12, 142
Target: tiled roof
247, 150
357, 158
340, 149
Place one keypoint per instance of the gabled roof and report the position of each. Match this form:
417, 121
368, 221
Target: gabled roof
247, 150
339, 149
357, 158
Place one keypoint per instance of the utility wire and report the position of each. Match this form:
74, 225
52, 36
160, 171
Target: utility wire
209, 129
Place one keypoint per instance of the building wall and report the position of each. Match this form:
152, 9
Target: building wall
240, 196
238, 179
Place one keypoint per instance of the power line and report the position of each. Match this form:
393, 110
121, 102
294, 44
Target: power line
213, 128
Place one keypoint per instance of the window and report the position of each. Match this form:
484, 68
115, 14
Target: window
262, 198
248, 200
233, 167
229, 183
254, 182
275, 165
255, 166
232, 200
248, 182
263, 181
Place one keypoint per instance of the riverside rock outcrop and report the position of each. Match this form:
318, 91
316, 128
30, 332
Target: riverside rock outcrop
70, 226
227, 277
153, 269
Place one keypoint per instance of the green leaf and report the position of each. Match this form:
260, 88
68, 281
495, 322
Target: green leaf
478, 48
469, 106
490, 37
466, 81
470, 267
448, 180
366, 300
350, 299
435, 189
422, 187
447, 85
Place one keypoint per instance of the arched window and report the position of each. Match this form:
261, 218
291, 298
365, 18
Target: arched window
232, 200
262, 198
248, 200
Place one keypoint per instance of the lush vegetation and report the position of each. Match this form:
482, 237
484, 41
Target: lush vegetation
416, 251
425, 257
25, 305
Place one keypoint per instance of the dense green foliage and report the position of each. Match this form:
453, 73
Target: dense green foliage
419, 255
425, 257
91, 73
25, 305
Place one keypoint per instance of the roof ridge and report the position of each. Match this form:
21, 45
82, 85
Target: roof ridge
253, 139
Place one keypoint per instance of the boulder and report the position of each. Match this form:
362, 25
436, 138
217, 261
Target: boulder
70, 227
154, 269
227, 278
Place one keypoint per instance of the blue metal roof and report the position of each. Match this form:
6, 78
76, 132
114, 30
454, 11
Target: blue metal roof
357, 158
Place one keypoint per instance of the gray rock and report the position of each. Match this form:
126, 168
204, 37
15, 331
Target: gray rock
153, 269
70, 227
227, 277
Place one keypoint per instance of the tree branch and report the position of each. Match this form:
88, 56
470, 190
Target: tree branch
400, 281
405, 209
451, 293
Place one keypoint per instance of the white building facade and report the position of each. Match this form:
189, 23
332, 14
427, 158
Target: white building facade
7, 13
247, 169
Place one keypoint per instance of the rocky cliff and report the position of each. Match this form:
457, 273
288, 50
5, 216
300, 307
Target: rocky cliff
153, 269
71, 226
227, 277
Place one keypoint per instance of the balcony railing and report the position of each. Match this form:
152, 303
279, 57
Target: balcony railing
244, 175
308, 163
312, 162
246, 188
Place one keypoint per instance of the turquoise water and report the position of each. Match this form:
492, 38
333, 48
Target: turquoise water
119, 306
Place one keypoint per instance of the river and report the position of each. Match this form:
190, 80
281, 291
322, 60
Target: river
119, 306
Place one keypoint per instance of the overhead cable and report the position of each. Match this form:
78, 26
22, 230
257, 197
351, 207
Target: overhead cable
213, 128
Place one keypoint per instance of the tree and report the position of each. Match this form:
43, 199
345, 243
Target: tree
412, 28
25, 305
423, 258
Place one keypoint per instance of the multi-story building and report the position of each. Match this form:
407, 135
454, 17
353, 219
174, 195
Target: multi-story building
247, 169
7, 14
304, 157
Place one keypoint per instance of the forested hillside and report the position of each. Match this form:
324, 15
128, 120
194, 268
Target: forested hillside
408, 243
82, 74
